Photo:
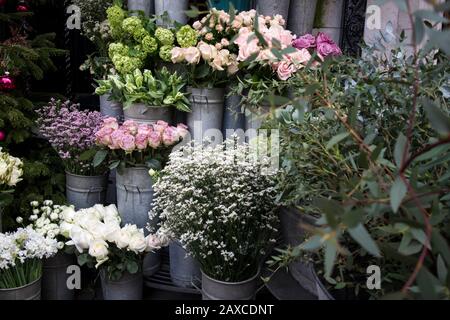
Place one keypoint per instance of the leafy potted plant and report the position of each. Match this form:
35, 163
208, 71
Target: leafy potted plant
21, 263
71, 131
219, 203
10, 174
147, 98
117, 251
52, 221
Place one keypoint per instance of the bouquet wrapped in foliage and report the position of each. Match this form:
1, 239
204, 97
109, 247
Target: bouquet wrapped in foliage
102, 242
71, 133
10, 174
220, 205
21, 255
133, 144
162, 90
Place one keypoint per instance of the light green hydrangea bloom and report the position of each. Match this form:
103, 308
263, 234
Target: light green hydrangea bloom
116, 15
149, 44
165, 36
126, 64
187, 37
131, 25
140, 34
117, 48
165, 53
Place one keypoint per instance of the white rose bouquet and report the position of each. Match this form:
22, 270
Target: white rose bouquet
21, 255
219, 203
102, 242
10, 174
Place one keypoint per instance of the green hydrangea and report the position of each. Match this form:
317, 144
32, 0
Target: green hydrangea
138, 52
140, 34
165, 36
126, 64
165, 53
187, 37
116, 15
131, 25
117, 48
149, 44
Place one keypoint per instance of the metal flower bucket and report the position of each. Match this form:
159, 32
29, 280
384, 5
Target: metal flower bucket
301, 16
129, 287
54, 277
85, 191
207, 112
31, 291
142, 113
272, 8
233, 117
147, 6
219, 290
183, 268
175, 8
110, 108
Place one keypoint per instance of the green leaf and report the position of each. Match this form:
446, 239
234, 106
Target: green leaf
114, 164
399, 150
330, 257
336, 139
87, 155
132, 267
99, 157
427, 284
82, 259
313, 243
439, 121
362, 236
441, 269
397, 194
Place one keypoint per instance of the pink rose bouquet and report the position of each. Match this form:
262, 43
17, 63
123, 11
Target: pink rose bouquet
133, 144
322, 43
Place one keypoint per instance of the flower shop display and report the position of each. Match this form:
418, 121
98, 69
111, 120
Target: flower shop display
147, 98
175, 10
219, 204
21, 257
52, 221
116, 251
10, 174
71, 132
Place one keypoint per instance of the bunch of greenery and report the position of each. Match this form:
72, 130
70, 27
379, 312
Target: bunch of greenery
372, 159
163, 89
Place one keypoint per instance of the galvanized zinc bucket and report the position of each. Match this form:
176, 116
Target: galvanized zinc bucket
175, 8
54, 277
110, 108
233, 117
272, 8
111, 192
134, 195
142, 113
184, 269
218, 290
31, 291
301, 16
147, 6
85, 191
129, 287
207, 111
255, 118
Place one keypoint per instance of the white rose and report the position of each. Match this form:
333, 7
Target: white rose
68, 214
99, 250
65, 228
192, 55
15, 177
3, 169
177, 55
137, 243
80, 238
54, 216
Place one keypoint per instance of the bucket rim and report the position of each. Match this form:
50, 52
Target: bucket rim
24, 286
88, 177
233, 283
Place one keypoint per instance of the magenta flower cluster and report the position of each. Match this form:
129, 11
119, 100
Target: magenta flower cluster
69, 130
324, 45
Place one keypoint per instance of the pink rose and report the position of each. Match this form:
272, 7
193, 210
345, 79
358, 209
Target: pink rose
282, 35
299, 57
144, 129
182, 130
141, 141
130, 127
192, 55
110, 123
127, 143
103, 136
160, 126
170, 136
285, 70
116, 137
154, 139
304, 42
177, 54
326, 47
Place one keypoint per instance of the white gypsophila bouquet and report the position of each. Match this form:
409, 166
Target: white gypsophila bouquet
10, 169
220, 205
102, 242
21, 254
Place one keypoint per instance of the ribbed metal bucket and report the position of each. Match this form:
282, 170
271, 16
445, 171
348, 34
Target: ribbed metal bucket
147, 6
301, 16
134, 195
54, 277
129, 287
272, 8
85, 191
183, 268
207, 111
219, 290
110, 108
175, 8
142, 113
255, 118
111, 192
233, 117
31, 291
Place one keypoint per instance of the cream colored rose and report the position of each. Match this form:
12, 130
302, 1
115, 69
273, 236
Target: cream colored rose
177, 54
192, 55
207, 51
137, 243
